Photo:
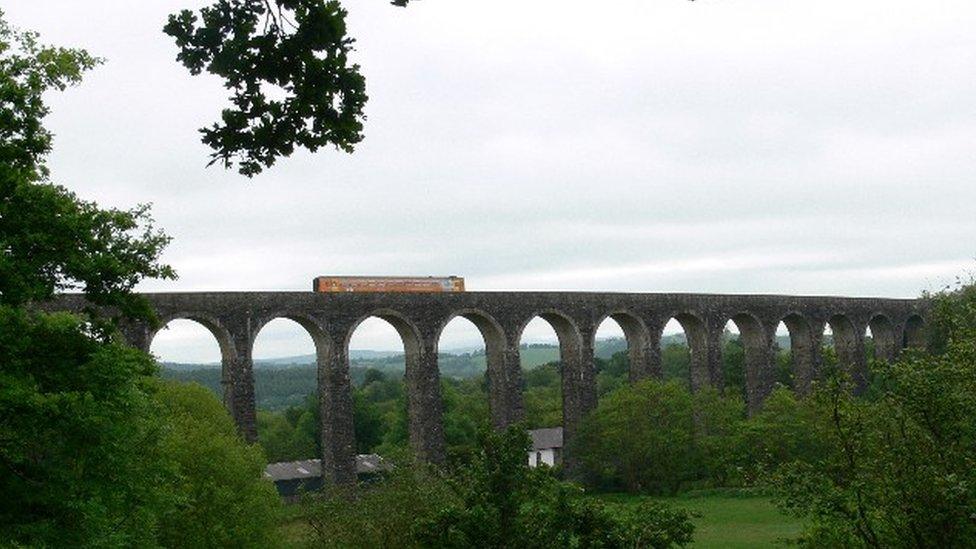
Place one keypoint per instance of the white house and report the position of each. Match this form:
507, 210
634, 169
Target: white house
547, 446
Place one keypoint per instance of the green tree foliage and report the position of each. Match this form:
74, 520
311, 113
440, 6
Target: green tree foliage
733, 364
92, 451
383, 514
300, 48
686, 437
787, 428
80, 437
290, 435
27, 70
501, 502
222, 498
676, 363
51, 240
542, 396
899, 467
493, 500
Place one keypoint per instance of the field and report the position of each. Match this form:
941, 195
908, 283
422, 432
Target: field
728, 518
725, 519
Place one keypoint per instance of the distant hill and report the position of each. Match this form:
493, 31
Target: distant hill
284, 382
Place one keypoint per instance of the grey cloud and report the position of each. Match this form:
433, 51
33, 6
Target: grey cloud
802, 147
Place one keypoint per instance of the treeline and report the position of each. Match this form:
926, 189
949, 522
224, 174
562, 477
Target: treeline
380, 408
279, 386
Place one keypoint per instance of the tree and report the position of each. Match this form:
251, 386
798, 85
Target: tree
298, 48
650, 422
27, 70
492, 500
899, 465
52, 241
223, 499
79, 427
501, 502
81, 452
686, 437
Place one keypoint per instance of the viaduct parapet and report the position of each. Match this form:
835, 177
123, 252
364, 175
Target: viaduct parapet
236, 318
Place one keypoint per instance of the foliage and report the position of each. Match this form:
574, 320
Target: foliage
223, 499
288, 436
383, 514
94, 452
80, 437
493, 500
787, 429
297, 48
676, 363
542, 397
724, 517
687, 437
52, 241
718, 424
501, 502
27, 70
898, 468
952, 315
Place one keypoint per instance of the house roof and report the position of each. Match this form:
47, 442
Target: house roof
312, 468
550, 437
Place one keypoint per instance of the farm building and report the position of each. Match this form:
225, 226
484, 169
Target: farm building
291, 478
547, 446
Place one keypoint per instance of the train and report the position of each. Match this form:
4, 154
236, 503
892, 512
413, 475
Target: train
401, 284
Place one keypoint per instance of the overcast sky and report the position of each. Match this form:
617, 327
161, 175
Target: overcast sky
803, 147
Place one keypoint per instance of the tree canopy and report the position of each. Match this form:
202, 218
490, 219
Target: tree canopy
51, 240
286, 64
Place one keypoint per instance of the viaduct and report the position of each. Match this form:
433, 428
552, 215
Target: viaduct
235, 318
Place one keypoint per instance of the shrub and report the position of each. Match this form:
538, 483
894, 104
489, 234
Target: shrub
898, 469
223, 498
653, 437
493, 500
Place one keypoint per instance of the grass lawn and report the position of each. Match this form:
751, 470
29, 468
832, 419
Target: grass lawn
728, 518
293, 531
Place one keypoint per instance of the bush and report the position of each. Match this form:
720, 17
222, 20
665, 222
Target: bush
223, 498
382, 514
653, 437
494, 500
787, 429
898, 469
80, 445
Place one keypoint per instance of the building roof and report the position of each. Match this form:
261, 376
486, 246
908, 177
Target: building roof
550, 437
311, 468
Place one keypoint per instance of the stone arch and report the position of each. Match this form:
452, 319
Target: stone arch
504, 372
883, 337
758, 367
576, 372
223, 336
638, 338
236, 375
312, 327
491, 330
696, 336
424, 406
848, 346
802, 351
408, 331
913, 336
320, 344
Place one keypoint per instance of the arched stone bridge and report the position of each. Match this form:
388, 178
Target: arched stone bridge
235, 318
